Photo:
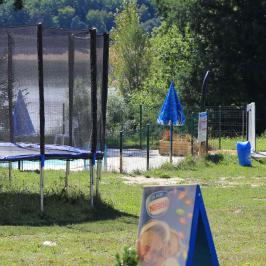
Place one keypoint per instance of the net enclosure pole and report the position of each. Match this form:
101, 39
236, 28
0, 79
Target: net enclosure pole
91, 183
10, 81
71, 60
93, 61
98, 179
41, 108
104, 92
64, 120
105, 81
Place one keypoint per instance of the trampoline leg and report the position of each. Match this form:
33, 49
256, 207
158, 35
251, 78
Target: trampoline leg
10, 171
41, 186
67, 174
91, 183
105, 158
98, 178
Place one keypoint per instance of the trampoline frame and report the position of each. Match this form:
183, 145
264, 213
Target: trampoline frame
93, 154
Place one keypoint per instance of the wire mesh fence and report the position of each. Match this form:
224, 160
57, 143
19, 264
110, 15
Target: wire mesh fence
226, 126
141, 144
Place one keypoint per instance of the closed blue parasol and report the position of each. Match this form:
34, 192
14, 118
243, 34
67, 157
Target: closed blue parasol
22, 122
171, 113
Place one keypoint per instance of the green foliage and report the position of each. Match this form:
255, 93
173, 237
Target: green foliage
100, 19
129, 258
129, 56
78, 14
64, 17
172, 56
117, 112
231, 44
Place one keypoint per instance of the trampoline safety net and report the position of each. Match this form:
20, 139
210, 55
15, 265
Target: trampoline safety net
53, 93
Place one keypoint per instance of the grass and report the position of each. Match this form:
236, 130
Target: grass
234, 197
209, 170
227, 143
230, 143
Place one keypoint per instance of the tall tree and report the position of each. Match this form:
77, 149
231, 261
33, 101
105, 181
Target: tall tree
130, 59
172, 59
230, 36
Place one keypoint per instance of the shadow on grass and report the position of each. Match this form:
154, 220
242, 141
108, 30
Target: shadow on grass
23, 208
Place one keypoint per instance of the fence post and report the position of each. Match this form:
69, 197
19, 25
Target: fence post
243, 123
121, 151
207, 134
140, 126
148, 147
192, 133
220, 127
10, 172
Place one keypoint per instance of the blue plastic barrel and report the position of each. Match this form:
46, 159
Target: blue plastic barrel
244, 153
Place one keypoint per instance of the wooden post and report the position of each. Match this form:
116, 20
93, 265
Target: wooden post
171, 142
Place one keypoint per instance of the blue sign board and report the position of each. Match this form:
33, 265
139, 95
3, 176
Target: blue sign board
174, 229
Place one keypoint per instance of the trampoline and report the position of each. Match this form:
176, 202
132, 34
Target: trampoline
12, 152
53, 94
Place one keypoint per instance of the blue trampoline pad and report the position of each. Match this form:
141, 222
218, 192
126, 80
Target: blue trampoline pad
23, 151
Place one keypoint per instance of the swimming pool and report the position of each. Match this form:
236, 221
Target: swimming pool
75, 165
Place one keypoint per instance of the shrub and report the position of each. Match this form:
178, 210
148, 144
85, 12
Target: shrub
129, 257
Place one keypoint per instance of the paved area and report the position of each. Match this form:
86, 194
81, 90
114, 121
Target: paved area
258, 155
135, 160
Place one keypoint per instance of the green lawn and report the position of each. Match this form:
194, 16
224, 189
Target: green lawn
235, 199
230, 143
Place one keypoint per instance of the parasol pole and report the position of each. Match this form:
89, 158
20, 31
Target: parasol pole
171, 141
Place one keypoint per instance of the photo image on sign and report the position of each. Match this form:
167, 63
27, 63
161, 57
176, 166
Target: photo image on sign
165, 225
158, 244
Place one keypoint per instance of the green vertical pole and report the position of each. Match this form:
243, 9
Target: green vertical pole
140, 126
148, 147
220, 126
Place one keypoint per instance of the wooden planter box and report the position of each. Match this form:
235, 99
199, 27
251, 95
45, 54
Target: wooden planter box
181, 147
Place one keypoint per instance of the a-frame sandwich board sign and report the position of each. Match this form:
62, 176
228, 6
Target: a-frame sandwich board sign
174, 228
